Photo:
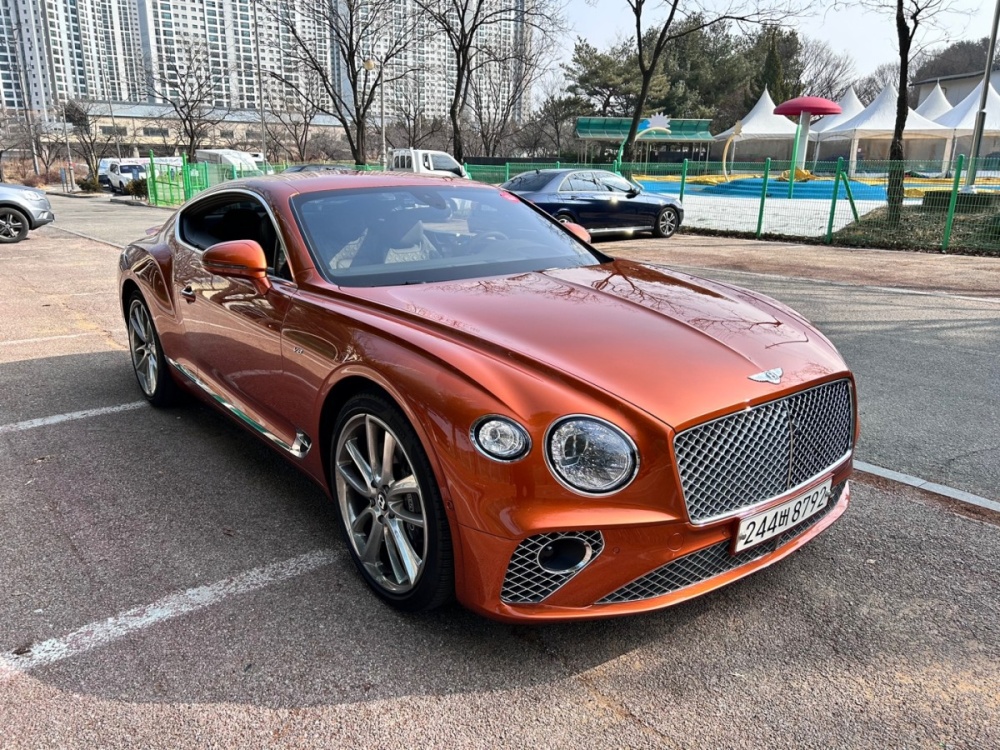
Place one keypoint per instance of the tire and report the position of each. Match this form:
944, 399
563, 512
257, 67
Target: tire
564, 217
394, 522
666, 223
13, 225
151, 371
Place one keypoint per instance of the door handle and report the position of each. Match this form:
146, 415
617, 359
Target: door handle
188, 293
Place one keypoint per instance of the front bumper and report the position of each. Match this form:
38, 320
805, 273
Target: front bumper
638, 569
40, 214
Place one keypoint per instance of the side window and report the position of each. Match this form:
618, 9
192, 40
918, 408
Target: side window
409, 162
113, 168
427, 161
615, 183
580, 182
234, 217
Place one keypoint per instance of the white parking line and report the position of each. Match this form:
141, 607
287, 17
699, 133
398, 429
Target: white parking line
101, 633
68, 417
50, 338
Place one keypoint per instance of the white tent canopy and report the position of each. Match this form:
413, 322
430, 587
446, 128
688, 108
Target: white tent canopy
850, 106
935, 105
961, 119
761, 123
878, 120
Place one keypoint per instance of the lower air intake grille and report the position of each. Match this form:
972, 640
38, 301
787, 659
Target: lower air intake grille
709, 562
527, 582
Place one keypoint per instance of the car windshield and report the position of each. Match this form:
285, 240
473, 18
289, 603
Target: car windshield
529, 182
427, 233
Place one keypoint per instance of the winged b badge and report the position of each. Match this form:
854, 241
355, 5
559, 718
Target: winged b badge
768, 376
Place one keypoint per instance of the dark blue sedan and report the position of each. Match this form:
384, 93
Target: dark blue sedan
599, 200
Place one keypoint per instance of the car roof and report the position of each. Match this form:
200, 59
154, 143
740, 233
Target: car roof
287, 184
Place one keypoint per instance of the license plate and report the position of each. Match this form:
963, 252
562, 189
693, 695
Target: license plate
757, 529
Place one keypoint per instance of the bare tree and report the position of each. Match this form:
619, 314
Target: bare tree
12, 136
500, 91
471, 27
682, 18
869, 86
191, 85
91, 143
380, 32
292, 116
410, 125
825, 72
916, 23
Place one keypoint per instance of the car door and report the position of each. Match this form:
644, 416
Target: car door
629, 210
586, 199
232, 326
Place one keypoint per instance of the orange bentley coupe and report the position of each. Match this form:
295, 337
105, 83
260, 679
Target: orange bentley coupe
500, 412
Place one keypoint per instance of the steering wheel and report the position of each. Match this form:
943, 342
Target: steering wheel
492, 235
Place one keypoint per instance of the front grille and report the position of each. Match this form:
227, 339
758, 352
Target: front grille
757, 454
527, 582
710, 562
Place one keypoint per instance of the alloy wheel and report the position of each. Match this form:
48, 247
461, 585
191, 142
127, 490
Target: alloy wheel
667, 222
142, 342
11, 225
381, 503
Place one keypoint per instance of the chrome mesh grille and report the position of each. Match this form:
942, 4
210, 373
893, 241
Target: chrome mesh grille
759, 453
709, 562
527, 582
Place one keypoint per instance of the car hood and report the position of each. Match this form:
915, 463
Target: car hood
676, 346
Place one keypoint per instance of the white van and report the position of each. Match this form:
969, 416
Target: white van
422, 161
122, 171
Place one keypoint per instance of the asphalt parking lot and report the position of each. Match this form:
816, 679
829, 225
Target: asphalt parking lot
167, 581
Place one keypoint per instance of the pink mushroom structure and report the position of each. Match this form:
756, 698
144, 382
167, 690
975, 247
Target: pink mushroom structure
805, 107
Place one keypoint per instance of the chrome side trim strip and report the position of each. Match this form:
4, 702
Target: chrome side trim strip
299, 447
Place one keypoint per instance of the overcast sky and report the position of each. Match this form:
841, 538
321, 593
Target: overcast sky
869, 38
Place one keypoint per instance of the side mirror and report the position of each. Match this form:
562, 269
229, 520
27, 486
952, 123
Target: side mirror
633, 192
579, 232
243, 259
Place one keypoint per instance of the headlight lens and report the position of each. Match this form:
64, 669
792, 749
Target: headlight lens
33, 196
500, 438
590, 455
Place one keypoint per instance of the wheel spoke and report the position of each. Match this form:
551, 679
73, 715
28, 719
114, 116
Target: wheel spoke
358, 525
363, 468
388, 451
137, 326
404, 514
371, 438
407, 556
358, 485
398, 571
373, 546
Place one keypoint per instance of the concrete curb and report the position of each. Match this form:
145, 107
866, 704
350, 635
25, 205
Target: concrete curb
922, 484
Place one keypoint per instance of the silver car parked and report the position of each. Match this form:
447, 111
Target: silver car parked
22, 208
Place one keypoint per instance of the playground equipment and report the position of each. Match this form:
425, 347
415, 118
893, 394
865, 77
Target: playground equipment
804, 107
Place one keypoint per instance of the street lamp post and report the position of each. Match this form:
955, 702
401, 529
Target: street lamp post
370, 65
977, 136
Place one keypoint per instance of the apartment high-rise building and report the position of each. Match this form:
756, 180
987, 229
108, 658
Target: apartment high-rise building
52, 51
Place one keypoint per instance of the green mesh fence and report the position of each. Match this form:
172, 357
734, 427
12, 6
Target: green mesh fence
912, 205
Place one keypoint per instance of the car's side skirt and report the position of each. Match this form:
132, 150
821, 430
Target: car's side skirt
299, 448
619, 230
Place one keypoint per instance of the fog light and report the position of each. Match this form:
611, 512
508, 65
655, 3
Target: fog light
565, 554
500, 438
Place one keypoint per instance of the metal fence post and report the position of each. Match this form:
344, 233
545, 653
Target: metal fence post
684, 176
763, 196
950, 221
833, 201
506, 171
151, 195
185, 177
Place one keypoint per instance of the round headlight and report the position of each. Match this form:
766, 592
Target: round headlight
500, 438
590, 455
